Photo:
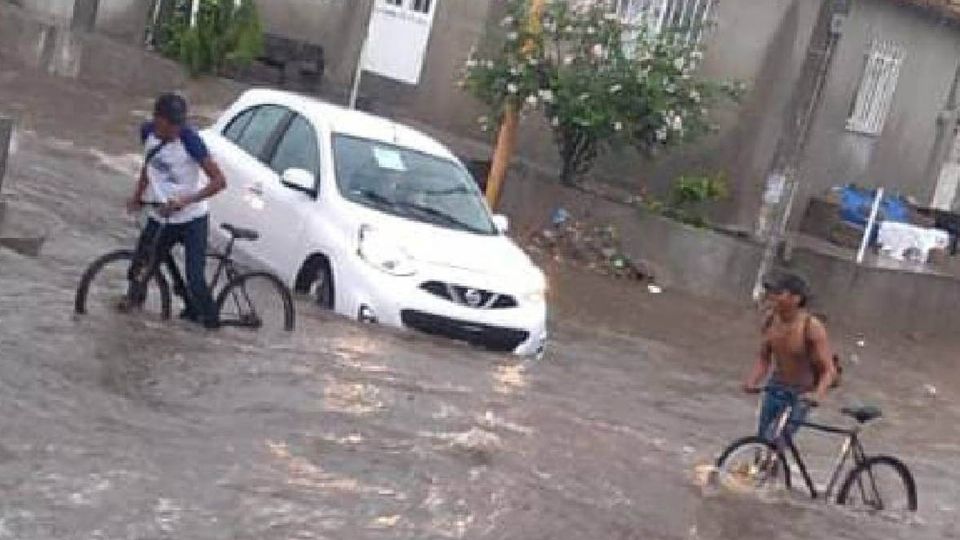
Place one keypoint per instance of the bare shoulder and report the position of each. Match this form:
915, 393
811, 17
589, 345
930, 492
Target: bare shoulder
816, 329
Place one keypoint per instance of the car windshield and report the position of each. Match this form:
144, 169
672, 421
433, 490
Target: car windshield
408, 183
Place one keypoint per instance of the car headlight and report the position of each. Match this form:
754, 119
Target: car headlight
537, 296
383, 253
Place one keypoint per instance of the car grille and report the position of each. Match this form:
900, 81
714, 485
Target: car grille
470, 297
490, 337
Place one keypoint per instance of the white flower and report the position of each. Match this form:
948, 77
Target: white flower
568, 29
512, 36
618, 126
489, 64
591, 30
533, 61
568, 59
677, 124
515, 71
616, 88
513, 88
546, 95
671, 88
555, 121
695, 96
507, 21
661, 135
532, 100
597, 50
679, 63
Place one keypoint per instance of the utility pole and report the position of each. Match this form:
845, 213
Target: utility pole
782, 183
507, 136
6, 134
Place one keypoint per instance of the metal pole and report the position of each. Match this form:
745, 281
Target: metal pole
870, 223
6, 134
358, 72
358, 75
194, 13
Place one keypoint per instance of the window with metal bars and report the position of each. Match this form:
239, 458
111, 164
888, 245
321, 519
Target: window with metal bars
874, 98
686, 18
422, 6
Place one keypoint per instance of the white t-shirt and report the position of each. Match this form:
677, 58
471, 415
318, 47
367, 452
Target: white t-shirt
175, 171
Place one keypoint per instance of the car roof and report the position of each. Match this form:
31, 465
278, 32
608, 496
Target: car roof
351, 122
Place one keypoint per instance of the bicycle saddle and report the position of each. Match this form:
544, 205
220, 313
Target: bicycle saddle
240, 233
862, 414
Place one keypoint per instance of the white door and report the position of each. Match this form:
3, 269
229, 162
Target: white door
241, 153
278, 209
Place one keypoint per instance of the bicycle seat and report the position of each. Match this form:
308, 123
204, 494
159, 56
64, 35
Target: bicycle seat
862, 414
240, 233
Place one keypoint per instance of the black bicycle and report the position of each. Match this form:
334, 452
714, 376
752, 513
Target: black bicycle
875, 483
254, 300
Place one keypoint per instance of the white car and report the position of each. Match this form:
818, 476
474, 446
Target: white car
382, 223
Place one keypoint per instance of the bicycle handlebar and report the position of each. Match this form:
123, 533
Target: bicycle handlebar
800, 399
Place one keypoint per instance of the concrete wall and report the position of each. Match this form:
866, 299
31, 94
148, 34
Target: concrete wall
339, 26
864, 297
723, 267
700, 261
900, 158
120, 19
50, 46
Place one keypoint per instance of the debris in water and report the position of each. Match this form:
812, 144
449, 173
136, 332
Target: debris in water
654, 289
930, 389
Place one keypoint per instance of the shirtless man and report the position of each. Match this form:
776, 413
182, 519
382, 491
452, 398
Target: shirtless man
794, 351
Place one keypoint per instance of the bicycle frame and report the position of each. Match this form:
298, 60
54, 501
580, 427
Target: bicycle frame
851, 447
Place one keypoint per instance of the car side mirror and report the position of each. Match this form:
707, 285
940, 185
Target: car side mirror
502, 223
300, 180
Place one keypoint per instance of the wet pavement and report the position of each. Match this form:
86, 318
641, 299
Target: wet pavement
123, 428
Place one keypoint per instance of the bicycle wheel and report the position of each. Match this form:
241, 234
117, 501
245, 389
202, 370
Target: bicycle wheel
258, 301
104, 284
753, 465
880, 484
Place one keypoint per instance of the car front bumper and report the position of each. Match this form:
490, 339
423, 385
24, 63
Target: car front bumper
400, 301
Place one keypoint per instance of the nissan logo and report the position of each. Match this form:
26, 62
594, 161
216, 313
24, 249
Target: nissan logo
473, 297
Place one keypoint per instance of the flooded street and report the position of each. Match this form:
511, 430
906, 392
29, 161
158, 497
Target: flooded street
122, 428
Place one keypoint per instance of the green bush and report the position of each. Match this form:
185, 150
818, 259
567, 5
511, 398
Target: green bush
687, 196
225, 34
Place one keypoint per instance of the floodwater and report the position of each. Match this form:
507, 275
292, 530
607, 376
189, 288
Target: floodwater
118, 427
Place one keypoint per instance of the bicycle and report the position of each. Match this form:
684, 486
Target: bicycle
765, 464
240, 303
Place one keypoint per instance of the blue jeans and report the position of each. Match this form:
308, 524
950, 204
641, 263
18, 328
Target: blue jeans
193, 235
776, 398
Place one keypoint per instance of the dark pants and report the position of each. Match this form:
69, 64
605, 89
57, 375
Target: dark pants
157, 240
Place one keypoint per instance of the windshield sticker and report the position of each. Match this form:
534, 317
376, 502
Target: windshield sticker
389, 159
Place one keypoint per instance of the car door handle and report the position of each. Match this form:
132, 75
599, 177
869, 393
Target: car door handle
256, 189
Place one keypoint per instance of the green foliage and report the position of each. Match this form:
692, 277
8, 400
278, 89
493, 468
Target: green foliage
598, 83
224, 34
688, 195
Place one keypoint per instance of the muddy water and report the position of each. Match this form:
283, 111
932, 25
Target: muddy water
122, 428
